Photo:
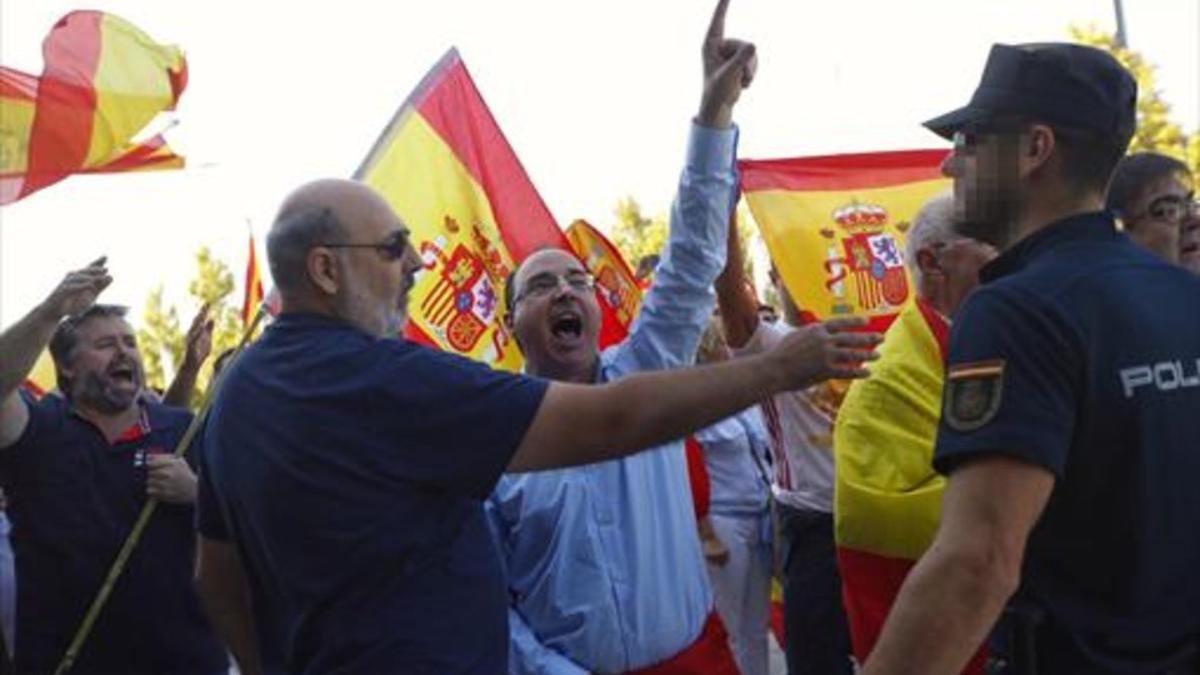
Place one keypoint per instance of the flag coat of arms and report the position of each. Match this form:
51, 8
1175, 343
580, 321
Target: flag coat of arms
836, 226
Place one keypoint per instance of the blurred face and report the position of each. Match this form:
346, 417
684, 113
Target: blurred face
377, 271
1163, 219
986, 171
105, 367
556, 317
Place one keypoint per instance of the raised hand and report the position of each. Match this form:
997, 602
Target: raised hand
197, 344
729, 67
826, 351
78, 290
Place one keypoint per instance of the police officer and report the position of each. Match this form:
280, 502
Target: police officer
1068, 432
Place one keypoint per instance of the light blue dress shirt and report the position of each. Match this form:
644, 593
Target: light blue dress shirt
736, 457
603, 561
8, 586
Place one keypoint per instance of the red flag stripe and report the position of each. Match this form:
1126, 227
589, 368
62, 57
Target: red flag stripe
841, 172
458, 113
62, 129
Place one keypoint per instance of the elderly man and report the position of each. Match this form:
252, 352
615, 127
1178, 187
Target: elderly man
76, 470
887, 495
341, 512
604, 567
1154, 196
1068, 431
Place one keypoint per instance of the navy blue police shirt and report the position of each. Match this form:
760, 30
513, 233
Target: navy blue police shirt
73, 498
1081, 353
349, 472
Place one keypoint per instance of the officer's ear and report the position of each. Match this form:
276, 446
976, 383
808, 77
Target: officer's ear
1038, 143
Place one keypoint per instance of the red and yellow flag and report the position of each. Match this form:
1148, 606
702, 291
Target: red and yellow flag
102, 83
835, 226
253, 289
616, 286
446, 168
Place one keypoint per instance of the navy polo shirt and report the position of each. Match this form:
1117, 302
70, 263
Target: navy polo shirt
349, 471
1081, 353
73, 498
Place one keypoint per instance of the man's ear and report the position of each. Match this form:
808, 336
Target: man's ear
927, 262
1038, 147
323, 269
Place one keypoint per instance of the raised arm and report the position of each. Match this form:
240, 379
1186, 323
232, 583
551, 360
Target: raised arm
739, 307
580, 424
196, 348
21, 344
676, 309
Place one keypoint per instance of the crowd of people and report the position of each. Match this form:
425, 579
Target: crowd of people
1003, 482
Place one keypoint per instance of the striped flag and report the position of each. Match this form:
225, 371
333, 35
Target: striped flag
445, 167
103, 82
617, 288
253, 288
835, 226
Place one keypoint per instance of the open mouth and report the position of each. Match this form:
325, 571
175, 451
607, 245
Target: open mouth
123, 375
567, 326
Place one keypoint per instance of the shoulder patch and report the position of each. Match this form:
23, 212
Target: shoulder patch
973, 394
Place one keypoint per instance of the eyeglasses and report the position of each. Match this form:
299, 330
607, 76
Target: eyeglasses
546, 283
1171, 209
392, 248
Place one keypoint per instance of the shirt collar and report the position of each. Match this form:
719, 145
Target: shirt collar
1091, 226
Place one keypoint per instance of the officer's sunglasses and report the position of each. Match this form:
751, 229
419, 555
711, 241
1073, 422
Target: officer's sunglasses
391, 248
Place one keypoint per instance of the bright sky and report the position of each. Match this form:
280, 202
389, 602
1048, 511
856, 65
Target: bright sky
595, 97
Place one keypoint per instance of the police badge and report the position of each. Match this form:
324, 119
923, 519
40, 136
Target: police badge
973, 394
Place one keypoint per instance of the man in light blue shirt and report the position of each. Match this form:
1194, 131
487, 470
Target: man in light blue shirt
603, 563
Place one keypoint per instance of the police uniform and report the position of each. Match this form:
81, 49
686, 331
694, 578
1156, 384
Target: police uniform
1080, 353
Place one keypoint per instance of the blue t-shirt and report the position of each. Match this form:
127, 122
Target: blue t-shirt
72, 500
349, 471
1081, 353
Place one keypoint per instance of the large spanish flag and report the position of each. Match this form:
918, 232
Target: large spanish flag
103, 82
446, 168
835, 226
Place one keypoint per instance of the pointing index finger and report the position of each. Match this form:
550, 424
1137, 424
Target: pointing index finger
716, 28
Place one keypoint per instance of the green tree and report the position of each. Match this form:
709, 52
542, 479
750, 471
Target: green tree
1156, 131
161, 336
637, 236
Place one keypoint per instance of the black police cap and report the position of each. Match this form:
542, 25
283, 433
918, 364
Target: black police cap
1065, 85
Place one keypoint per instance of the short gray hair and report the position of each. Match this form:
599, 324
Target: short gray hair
291, 238
934, 223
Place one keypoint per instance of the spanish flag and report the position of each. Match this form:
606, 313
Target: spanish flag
253, 294
835, 226
445, 167
103, 82
887, 496
617, 288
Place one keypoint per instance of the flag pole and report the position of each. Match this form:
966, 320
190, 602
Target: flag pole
143, 519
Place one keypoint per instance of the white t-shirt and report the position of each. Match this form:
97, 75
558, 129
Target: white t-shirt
800, 424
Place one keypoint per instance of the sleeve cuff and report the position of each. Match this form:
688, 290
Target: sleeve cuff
712, 150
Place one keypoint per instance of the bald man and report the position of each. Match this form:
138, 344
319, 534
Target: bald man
343, 470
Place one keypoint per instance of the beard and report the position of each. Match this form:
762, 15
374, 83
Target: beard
101, 393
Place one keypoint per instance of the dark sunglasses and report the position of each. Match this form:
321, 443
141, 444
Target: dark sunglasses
392, 248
